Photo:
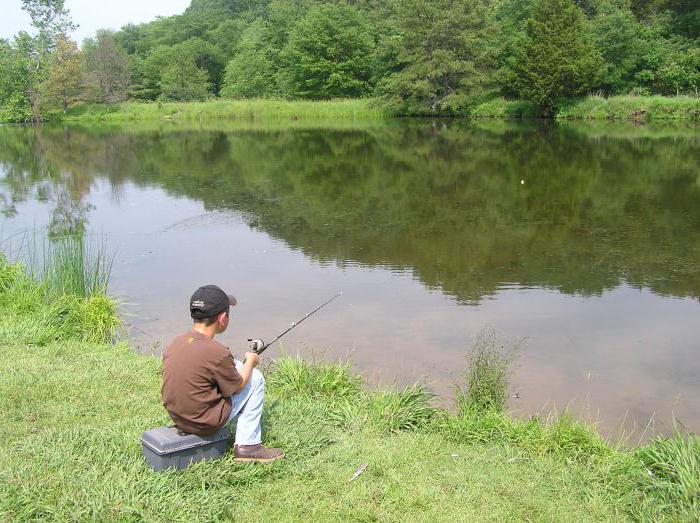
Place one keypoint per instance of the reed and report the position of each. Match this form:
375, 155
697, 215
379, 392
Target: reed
56, 290
72, 265
489, 367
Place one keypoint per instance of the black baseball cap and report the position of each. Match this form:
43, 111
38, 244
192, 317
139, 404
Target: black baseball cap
208, 301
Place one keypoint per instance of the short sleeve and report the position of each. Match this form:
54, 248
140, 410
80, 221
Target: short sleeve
226, 376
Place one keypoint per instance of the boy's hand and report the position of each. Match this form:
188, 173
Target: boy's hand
252, 358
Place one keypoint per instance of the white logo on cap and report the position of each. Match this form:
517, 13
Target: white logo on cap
198, 304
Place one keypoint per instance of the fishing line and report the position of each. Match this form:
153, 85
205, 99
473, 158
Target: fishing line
259, 346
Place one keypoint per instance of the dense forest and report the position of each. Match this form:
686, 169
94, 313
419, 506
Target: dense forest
418, 57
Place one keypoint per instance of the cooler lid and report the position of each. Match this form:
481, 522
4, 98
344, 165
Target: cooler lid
166, 440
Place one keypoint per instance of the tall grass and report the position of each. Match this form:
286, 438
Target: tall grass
636, 108
57, 291
633, 108
348, 405
69, 264
72, 265
489, 367
294, 376
249, 109
673, 476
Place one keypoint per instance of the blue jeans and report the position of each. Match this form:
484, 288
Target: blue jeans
247, 405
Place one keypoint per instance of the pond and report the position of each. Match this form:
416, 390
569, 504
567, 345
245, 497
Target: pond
580, 244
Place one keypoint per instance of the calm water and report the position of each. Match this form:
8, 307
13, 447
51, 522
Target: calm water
579, 243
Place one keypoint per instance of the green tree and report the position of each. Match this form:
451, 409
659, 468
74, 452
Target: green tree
64, 83
329, 53
509, 17
442, 63
251, 72
195, 50
182, 80
556, 59
108, 67
14, 75
680, 74
622, 43
226, 35
52, 20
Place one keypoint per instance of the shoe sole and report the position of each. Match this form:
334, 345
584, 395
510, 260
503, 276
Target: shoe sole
258, 460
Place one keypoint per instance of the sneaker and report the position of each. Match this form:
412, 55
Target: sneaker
256, 453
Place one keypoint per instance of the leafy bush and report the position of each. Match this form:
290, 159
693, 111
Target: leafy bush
16, 109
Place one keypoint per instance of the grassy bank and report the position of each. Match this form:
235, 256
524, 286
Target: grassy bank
75, 406
631, 108
622, 108
249, 110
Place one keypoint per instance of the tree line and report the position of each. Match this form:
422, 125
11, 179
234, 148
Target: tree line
418, 57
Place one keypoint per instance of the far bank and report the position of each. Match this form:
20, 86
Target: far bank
638, 109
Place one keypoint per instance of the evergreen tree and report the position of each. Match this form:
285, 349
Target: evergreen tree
442, 63
556, 59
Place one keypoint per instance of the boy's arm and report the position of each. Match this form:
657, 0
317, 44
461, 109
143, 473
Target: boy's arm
230, 380
249, 363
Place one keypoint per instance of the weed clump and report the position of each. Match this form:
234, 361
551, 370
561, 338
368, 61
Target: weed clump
294, 376
487, 376
672, 479
386, 412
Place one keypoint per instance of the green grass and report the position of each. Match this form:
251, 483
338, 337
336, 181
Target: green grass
72, 265
249, 110
633, 108
74, 409
488, 372
58, 293
622, 108
301, 112
304, 112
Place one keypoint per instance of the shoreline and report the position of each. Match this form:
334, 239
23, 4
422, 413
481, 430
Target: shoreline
635, 109
78, 403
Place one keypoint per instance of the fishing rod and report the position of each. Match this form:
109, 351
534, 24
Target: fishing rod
259, 346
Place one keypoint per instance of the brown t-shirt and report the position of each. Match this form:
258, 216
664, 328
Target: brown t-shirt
198, 379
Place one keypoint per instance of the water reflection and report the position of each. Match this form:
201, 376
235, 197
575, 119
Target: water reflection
529, 223
465, 209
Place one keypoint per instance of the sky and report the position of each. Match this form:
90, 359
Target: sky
92, 15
